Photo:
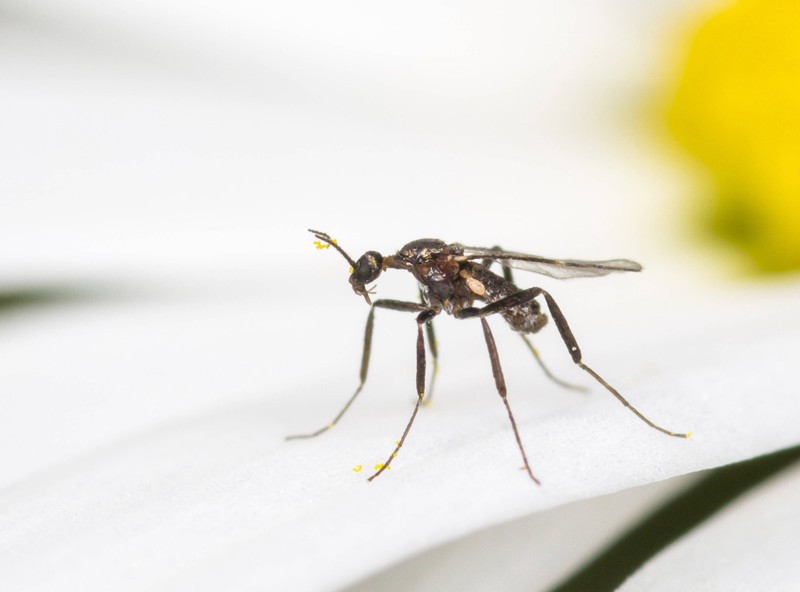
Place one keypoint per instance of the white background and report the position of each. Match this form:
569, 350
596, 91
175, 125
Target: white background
165, 159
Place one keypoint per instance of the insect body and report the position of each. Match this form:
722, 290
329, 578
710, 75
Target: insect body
451, 281
452, 278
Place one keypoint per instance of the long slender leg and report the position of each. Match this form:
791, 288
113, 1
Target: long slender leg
575, 352
422, 318
434, 347
508, 275
500, 383
567, 337
546, 370
388, 304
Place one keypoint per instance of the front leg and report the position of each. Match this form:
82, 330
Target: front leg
434, 347
422, 318
399, 305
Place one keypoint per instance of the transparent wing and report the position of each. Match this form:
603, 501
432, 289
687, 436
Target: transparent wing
556, 268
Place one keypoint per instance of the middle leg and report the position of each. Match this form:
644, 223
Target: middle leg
508, 275
500, 383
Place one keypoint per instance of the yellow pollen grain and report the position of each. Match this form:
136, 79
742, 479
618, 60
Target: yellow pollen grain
357, 468
322, 245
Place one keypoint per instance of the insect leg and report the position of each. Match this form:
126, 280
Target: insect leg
575, 352
388, 304
509, 277
567, 337
500, 383
422, 318
546, 370
434, 347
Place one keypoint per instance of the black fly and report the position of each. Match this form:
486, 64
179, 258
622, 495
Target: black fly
452, 277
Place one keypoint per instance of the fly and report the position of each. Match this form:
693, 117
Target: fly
452, 278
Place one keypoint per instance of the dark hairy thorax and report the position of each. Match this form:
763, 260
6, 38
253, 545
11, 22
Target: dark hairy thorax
451, 283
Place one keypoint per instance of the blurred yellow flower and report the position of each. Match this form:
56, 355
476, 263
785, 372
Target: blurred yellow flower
737, 109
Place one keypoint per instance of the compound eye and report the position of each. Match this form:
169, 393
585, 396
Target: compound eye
368, 268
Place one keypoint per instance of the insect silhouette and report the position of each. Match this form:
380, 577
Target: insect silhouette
452, 277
